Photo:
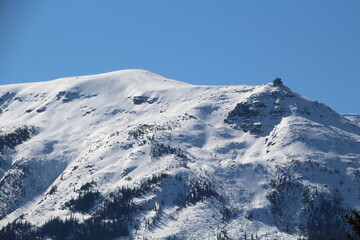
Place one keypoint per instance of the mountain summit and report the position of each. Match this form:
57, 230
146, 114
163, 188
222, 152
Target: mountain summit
131, 154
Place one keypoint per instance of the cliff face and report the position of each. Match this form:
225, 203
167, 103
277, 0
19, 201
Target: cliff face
156, 158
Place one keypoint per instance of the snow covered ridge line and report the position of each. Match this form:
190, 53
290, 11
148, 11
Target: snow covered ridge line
133, 155
355, 118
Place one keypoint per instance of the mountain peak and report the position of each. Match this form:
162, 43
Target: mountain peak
167, 159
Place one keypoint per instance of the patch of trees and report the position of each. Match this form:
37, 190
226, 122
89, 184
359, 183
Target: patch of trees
70, 228
142, 130
325, 220
160, 149
353, 220
114, 215
84, 202
15, 138
321, 211
112, 219
200, 189
18, 230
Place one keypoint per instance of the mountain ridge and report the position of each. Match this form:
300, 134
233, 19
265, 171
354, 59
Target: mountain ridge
199, 161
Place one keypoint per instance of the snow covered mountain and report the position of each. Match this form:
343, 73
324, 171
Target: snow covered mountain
131, 154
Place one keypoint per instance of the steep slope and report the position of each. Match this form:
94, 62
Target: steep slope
355, 118
156, 158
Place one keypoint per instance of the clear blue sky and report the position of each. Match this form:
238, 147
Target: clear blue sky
313, 45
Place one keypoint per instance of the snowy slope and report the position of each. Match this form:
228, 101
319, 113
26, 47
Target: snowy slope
207, 161
355, 118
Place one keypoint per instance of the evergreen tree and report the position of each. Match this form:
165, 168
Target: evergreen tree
354, 221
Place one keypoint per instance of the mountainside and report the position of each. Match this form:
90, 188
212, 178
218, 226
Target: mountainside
131, 154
